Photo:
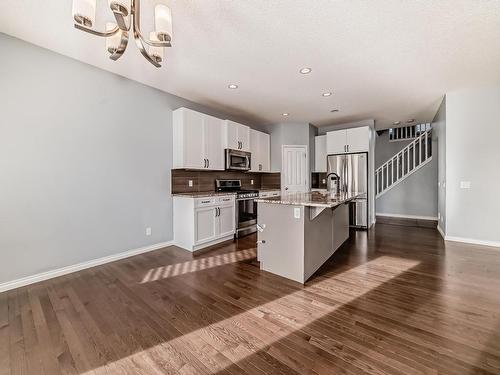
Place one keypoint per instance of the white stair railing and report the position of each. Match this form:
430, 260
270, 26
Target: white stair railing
407, 161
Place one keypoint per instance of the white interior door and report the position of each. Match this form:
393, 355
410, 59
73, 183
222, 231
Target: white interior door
294, 169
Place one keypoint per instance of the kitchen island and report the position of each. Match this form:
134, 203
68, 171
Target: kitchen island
298, 232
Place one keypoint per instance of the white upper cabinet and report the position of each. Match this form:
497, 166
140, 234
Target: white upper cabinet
358, 139
320, 154
336, 142
348, 140
237, 136
214, 142
260, 148
198, 140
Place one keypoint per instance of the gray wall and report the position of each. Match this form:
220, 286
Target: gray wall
85, 160
417, 194
439, 135
473, 154
287, 134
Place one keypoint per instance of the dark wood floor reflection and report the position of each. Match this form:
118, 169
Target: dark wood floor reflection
394, 300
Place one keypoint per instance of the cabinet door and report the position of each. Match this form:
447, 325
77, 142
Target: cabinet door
255, 150
204, 224
265, 152
244, 137
231, 135
320, 154
226, 220
189, 145
214, 145
358, 139
336, 142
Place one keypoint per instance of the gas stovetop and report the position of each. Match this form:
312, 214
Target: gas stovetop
247, 194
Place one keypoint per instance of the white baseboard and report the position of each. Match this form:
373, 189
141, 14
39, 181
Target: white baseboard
407, 216
441, 232
78, 267
472, 241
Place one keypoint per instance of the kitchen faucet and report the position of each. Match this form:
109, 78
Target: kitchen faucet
329, 181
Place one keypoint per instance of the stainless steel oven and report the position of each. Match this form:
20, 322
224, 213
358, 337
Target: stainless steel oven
237, 160
246, 207
246, 213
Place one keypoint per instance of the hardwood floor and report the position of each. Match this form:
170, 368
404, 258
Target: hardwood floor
394, 300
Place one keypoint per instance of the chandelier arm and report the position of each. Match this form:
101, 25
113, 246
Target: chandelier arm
121, 48
140, 45
95, 32
136, 6
120, 21
137, 28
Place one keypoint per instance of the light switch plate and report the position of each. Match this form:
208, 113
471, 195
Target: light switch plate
148, 231
190, 183
296, 212
464, 184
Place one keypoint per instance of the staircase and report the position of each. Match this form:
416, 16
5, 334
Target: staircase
406, 162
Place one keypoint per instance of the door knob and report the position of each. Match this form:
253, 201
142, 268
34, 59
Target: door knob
261, 242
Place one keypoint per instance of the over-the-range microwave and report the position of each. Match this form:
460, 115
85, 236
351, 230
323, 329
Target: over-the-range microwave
238, 160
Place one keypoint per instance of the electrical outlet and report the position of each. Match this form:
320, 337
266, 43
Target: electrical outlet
190, 183
323, 181
296, 212
148, 231
439, 215
251, 182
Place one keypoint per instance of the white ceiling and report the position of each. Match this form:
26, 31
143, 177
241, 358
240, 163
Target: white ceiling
383, 59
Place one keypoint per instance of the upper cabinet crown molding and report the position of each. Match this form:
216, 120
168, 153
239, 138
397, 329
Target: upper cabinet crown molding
260, 148
237, 136
198, 140
348, 140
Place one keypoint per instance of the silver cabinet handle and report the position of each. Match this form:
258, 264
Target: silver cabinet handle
208, 163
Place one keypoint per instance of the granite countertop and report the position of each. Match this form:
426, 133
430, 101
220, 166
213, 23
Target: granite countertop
203, 194
314, 199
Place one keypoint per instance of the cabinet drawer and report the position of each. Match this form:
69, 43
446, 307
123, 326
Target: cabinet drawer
206, 202
226, 200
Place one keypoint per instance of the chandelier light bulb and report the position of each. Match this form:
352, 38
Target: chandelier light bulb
84, 12
113, 41
163, 22
123, 6
155, 52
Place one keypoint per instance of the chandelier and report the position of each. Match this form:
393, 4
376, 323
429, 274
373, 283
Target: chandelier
127, 14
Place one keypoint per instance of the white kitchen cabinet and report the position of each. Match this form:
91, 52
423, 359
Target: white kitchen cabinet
260, 148
198, 140
320, 154
348, 140
226, 220
202, 222
237, 136
358, 139
336, 142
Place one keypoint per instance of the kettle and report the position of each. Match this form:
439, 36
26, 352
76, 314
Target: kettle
333, 183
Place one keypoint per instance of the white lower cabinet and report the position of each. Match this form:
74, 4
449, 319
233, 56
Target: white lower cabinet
201, 222
204, 224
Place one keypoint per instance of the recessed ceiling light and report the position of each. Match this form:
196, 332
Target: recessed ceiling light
284, 114
328, 93
409, 121
232, 86
334, 110
396, 123
305, 70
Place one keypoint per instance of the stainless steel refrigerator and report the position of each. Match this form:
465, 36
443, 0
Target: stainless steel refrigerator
353, 172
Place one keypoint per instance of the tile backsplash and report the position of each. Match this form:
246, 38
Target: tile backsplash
205, 180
